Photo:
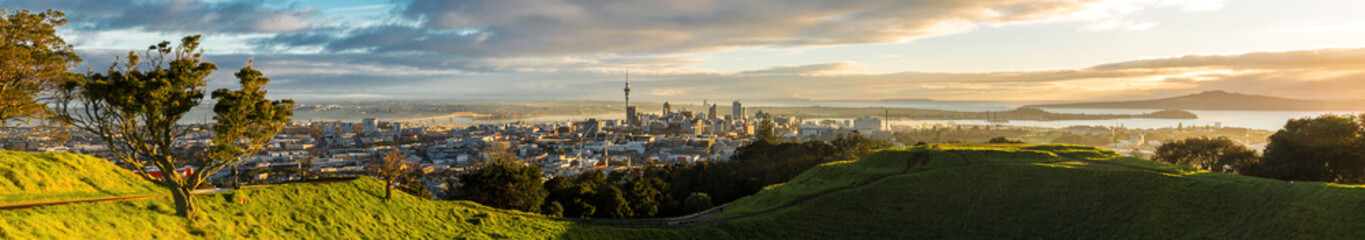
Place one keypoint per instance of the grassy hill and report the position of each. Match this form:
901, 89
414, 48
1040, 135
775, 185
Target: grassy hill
346, 210
948, 191
1050, 191
29, 177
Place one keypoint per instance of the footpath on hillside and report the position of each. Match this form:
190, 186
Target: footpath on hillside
25, 205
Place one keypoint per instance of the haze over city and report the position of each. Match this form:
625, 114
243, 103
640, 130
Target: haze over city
1038, 50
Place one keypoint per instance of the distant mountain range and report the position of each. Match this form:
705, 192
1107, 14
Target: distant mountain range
1221, 100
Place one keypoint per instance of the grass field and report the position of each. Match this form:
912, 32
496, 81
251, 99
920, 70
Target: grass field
982, 191
27, 177
347, 210
992, 194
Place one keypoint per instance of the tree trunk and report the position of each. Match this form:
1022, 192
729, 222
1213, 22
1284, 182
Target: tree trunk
184, 202
388, 190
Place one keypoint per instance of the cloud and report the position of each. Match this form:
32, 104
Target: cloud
1321, 73
521, 28
1316, 58
196, 16
810, 69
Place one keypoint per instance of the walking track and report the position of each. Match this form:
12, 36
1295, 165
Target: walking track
25, 205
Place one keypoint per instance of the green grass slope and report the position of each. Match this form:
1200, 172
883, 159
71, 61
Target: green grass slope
346, 210
1048, 191
29, 177
980, 191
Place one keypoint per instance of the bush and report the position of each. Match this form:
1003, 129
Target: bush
1213, 154
1323, 148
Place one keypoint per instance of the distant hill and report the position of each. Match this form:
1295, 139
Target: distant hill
980, 191
1221, 100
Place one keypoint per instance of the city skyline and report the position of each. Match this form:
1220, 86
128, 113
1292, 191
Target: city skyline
866, 50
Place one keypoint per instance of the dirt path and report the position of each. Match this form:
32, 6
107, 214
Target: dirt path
26, 205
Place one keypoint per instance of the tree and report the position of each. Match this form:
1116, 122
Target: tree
553, 209
1003, 140
506, 185
611, 203
764, 131
390, 168
697, 202
645, 195
497, 152
1213, 154
33, 63
1323, 148
136, 111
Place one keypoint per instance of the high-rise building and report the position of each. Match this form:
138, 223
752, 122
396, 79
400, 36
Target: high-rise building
668, 109
867, 124
712, 113
632, 119
369, 125
737, 110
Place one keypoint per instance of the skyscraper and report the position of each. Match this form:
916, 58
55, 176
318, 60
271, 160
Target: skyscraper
369, 125
737, 111
631, 118
668, 109
712, 113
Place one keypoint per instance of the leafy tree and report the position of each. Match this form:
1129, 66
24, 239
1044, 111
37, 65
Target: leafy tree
611, 203
854, 146
1324, 148
135, 111
414, 187
553, 209
764, 131
504, 184
645, 195
697, 202
1213, 154
1003, 140
585, 209
391, 168
33, 63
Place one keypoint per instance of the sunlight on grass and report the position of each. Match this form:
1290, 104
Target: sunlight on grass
29, 177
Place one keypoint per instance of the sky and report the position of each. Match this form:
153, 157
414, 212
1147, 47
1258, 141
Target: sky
976, 50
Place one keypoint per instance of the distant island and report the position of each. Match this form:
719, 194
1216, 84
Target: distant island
1221, 100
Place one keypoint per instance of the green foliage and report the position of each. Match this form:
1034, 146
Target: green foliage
553, 209
1324, 148
244, 119
506, 185
645, 195
764, 130
136, 109
33, 63
611, 203
697, 202
1003, 140
1211, 154
30, 177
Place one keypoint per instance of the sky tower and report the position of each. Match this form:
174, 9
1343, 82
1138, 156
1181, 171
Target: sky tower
630, 115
